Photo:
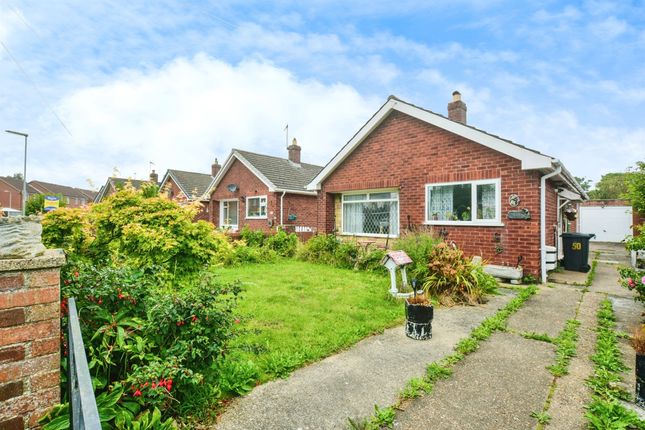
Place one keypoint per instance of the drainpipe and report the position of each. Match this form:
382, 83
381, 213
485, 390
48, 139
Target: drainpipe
282, 208
543, 220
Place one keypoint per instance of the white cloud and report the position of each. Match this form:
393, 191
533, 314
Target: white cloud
193, 110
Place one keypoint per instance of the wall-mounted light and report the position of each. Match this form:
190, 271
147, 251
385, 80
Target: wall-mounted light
232, 187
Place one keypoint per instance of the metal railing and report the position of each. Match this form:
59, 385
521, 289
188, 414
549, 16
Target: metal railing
83, 410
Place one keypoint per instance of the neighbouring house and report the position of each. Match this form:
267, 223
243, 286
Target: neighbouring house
73, 197
113, 184
409, 168
265, 192
11, 192
187, 187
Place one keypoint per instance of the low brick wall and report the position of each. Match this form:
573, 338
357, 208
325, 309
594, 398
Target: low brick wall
29, 338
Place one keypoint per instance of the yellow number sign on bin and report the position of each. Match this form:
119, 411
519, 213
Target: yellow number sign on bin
577, 246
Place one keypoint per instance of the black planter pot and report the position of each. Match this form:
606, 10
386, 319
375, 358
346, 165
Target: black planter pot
418, 321
640, 379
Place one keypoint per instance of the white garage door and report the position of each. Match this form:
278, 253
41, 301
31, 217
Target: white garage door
609, 224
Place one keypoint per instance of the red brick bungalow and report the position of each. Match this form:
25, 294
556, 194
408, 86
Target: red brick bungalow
409, 167
187, 187
113, 184
264, 192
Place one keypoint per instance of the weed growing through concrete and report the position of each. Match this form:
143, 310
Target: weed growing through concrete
541, 417
442, 369
565, 348
542, 337
605, 410
592, 274
383, 417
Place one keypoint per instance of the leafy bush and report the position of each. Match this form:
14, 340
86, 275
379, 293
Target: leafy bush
636, 243
253, 238
418, 245
453, 278
151, 233
329, 249
283, 243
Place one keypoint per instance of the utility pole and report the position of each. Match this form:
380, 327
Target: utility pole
24, 172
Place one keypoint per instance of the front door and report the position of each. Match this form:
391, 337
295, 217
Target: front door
228, 214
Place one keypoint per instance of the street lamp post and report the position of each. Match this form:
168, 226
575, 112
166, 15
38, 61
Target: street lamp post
24, 172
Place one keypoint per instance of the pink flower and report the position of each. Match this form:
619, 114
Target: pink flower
137, 393
643, 280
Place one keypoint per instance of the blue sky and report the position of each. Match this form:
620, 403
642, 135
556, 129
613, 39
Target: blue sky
108, 84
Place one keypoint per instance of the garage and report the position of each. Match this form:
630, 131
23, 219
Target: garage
608, 223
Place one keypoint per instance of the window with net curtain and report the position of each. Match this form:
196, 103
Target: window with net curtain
371, 214
463, 202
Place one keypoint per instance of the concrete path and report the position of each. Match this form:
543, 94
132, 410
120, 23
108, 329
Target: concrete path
323, 395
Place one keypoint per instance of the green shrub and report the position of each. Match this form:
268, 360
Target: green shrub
320, 249
636, 243
346, 254
283, 243
253, 238
418, 245
349, 254
453, 278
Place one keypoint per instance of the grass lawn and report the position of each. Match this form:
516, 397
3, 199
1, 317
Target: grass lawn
294, 312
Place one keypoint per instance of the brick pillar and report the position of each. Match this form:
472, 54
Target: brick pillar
29, 338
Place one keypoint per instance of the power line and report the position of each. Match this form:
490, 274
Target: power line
35, 87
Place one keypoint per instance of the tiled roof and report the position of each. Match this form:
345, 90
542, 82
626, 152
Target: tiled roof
193, 184
113, 183
46, 187
283, 173
17, 184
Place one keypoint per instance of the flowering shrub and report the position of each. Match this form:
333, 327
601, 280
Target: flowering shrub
633, 279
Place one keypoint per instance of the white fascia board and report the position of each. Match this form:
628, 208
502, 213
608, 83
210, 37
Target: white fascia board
300, 192
227, 165
570, 195
530, 160
164, 179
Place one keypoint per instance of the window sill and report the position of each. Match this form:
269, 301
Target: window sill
466, 223
256, 217
370, 235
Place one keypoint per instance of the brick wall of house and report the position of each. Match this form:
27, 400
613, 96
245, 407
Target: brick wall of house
248, 185
551, 221
10, 197
173, 192
29, 338
406, 153
304, 207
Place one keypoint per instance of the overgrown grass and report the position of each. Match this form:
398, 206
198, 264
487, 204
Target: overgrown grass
294, 312
605, 410
442, 369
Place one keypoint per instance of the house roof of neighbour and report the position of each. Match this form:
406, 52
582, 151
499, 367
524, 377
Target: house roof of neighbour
17, 184
279, 174
530, 158
112, 183
46, 187
194, 185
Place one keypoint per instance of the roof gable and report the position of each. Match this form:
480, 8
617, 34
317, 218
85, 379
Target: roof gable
530, 159
192, 184
278, 174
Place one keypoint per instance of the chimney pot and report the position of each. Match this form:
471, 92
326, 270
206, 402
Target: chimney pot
294, 151
154, 177
215, 168
457, 108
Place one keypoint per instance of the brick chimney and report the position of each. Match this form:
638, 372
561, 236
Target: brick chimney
457, 109
294, 151
154, 177
215, 168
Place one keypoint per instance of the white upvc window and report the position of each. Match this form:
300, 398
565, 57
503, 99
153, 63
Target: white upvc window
464, 203
228, 214
374, 213
256, 207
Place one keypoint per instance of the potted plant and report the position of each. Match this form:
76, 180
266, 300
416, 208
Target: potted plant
571, 213
418, 315
638, 342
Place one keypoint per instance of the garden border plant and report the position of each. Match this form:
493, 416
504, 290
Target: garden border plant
442, 369
605, 410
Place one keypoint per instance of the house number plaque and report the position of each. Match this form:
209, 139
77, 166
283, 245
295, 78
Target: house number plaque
519, 214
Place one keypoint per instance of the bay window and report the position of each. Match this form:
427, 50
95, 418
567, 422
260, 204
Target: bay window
473, 202
371, 214
256, 207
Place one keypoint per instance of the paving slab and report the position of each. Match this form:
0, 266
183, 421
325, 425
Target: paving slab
547, 311
495, 388
571, 394
628, 317
568, 277
349, 384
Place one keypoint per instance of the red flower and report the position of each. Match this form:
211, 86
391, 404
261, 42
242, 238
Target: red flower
194, 318
120, 296
137, 393
76, 274
237, 321
100, 301
154, 385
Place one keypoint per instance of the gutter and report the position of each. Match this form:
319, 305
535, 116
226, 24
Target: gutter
543, 179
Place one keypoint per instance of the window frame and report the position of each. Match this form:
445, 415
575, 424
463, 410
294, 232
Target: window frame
266, 209
497, 221
233, 227
368, 200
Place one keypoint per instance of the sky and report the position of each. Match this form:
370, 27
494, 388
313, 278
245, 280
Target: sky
109, 87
